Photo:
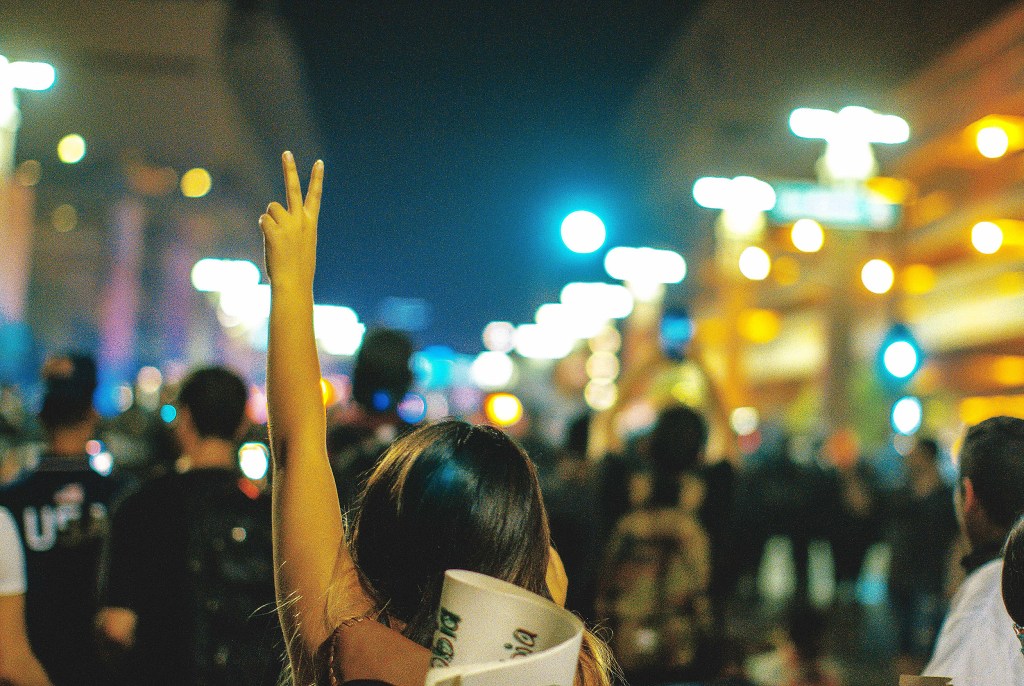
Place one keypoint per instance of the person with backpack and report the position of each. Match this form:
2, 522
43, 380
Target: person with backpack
655, 583
189, 595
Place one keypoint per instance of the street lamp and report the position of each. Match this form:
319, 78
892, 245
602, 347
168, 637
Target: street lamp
848, 134
14, 76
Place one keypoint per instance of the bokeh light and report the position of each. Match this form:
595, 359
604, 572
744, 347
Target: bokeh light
71, 149
877, 276
413, 408
986, 237
900, 359
28, 173
195, 183
499, 336
907, 414
254, 460
64, 218
918, 279
601, 394
755, 264
744, 420
992, 141
807, 235
583, 232
759, 325
492, 370
503, 409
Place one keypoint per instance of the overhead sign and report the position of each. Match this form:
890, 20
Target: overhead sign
854, 208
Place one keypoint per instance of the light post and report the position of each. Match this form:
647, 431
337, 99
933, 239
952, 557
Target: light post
15, 221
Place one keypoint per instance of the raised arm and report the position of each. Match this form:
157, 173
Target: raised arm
309, 552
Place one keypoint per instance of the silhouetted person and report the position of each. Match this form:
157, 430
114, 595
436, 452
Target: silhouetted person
381, 378
922, 530
189, 590
61, 508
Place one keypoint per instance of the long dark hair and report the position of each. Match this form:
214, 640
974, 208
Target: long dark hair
449, 495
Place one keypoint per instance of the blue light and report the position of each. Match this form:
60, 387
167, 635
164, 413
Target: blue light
381, 401
168, 413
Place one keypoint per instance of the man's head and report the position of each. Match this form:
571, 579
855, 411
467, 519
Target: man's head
70, 382
211, 404
381, 376
677, 446
991, 492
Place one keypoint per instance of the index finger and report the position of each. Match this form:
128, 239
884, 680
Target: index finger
293, 192
315, 189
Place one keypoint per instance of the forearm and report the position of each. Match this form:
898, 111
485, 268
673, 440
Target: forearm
307, 517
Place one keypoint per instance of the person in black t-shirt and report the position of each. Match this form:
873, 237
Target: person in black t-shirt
189, 586
61, 512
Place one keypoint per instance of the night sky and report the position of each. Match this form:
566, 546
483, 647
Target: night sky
456, 139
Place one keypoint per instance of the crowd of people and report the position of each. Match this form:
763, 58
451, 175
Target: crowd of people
181, 570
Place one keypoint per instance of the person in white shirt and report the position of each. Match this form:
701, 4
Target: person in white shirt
1013, 580
977, 644
18, 664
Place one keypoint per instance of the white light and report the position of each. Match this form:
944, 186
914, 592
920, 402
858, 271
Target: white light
213, 275
573, 323
492, 370
851, 122
740, 193
645, 264
900, 359
755, 263
583, 232
337, 329
608, 300
744, 420
806, 122
498, 336
149, 380
254, 460
986, 237
540, 343
907, 414
877, 276
807, 235
992, 141
102, 463
247, 305
32, 76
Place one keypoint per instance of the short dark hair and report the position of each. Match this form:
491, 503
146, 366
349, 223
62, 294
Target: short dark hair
215, 398
70, 382
929, 447
1013, 573
992, 457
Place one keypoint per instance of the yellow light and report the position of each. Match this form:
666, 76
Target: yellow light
755, 264
889, 189
327, 392
786, 271
64, 218
1010, 283
807, 235
986, 237
877, 276
918, 279
1008, 370
759, 326
992, 141
601, 394
980, 408
503, 409
71, 149
195, 183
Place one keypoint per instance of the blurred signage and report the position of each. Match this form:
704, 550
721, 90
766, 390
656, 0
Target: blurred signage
840, 208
